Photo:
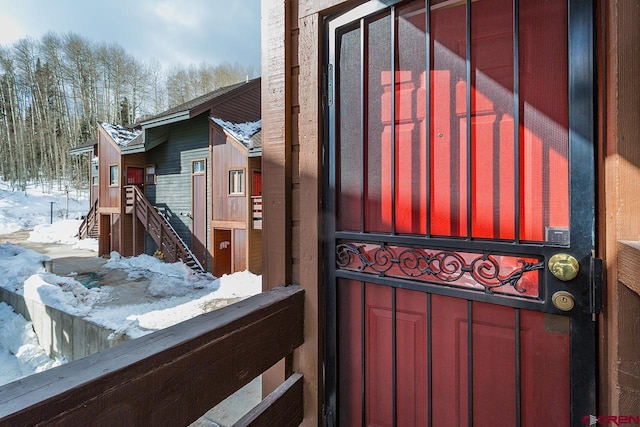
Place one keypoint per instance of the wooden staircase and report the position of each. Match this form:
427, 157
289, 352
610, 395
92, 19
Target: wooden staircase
89, 225
169, 243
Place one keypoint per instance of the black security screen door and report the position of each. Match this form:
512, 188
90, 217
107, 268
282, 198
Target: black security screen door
460, 214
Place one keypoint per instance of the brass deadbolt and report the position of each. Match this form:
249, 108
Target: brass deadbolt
564, 267
563, 300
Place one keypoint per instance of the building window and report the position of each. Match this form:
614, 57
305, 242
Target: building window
94, 180
113, 175
197, 166
150, 174
236, 182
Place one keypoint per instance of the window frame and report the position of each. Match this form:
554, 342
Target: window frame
242, 182
198, 161
154, 175
117, 176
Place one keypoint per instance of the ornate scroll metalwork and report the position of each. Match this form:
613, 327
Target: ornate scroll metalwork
442, 265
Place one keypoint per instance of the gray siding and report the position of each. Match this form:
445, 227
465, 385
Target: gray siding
188, 140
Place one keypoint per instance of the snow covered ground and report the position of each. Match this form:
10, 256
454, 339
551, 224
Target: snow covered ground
23, 210
178, 293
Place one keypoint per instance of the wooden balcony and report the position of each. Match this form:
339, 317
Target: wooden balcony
173, 376
256, 208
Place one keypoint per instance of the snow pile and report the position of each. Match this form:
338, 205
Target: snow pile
167, 280
178, 294
23, 210
64, 293
17, 265
63, 232
20, 353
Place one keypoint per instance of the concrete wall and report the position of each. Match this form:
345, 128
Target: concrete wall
61, 334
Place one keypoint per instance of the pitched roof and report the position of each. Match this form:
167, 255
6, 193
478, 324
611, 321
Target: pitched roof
84, 148
248, 134
121, 135
197, 102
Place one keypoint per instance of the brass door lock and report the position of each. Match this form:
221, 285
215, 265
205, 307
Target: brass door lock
563, 300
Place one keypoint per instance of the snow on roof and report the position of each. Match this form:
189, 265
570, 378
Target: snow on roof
240, 131
120, 134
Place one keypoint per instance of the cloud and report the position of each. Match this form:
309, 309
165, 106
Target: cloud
9, 30
175, 13
171, 32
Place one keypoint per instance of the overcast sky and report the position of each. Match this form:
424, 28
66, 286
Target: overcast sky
171, 31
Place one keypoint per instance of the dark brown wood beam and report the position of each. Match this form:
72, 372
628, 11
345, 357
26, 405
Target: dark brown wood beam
170, 377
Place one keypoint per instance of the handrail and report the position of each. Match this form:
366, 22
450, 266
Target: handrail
89, 221
172, 376
160, 229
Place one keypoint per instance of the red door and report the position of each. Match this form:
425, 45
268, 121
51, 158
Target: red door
460, 201
135, 176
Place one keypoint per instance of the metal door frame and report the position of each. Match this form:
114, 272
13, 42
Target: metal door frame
581, 115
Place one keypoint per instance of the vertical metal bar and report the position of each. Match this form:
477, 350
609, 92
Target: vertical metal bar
518, 369
470, 363
331, 292
429, 364
363, 129
363, 354
516, 118
468, 98
394, 372
393, 120
427, 118
582, 173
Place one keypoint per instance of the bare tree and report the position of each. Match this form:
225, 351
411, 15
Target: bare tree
53, 91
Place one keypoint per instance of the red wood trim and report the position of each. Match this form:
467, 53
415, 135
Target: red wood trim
164, 378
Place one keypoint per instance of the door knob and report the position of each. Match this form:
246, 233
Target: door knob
564, 266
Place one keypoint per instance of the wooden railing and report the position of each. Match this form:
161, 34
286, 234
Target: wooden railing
88, 226
173, 376
170, 244
256, 203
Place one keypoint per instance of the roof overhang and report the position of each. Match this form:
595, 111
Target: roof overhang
138, 148
165, 120
81, 150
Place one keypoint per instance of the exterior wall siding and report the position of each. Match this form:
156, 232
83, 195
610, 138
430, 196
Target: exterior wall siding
188, 141
225, 207
108, 155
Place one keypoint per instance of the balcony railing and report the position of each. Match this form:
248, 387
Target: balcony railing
173, 248
256, 203
173, 376
88, 227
